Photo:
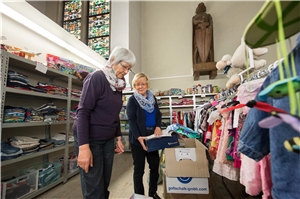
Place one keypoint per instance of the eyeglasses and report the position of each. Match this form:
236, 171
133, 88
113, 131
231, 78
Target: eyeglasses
141, 84
126, 68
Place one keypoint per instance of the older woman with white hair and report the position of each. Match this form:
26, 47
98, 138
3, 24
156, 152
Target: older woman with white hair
97, 129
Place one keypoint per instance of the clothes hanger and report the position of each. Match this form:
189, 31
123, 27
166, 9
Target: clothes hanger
251, 64
274, 65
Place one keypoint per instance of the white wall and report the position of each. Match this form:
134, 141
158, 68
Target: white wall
119, 32
135, 27
126, 29
21, 36
167, 39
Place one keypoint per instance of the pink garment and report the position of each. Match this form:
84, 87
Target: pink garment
222, 166
256, 176
247, 91
237, 160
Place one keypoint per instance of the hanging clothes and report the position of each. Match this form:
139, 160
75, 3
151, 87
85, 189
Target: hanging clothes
256, 142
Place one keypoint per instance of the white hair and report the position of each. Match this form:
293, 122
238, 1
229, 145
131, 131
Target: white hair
120, 54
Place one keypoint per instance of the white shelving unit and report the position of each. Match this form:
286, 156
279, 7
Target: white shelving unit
23, 98
172, 98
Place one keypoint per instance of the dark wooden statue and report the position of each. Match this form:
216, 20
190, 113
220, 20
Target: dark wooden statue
203, 46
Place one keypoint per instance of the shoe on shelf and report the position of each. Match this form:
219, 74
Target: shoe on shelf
156, 196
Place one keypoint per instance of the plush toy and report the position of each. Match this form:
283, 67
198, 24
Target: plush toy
235, 64
239, 60
230, 72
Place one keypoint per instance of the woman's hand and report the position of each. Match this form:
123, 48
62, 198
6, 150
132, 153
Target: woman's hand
141, 140
157, 131
119, 146
85, 157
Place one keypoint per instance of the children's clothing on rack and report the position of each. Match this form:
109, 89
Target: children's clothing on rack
256, 142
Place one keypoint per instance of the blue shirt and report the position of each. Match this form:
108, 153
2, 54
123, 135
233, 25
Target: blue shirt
150, 118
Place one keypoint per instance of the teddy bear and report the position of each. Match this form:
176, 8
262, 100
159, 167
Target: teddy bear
238, 59
230, 72
234, 65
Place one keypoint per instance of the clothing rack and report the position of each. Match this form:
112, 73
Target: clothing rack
263, 73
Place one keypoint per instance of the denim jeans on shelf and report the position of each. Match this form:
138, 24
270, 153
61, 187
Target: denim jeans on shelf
256, 142
94, 184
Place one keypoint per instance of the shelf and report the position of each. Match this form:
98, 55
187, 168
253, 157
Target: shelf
75, 172
123, 119
128, 92
75, 99
42, 190
71, 144
125, 132
29, 124
183, 106
33, 93
164, 107
30, 66
183, 96
36, 154
161, 97
77, 81
57, 77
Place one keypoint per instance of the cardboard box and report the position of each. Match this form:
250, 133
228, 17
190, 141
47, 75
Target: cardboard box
181, 195
156, 144
187, 169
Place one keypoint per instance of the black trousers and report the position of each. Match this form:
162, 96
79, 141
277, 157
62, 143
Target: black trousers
139, 155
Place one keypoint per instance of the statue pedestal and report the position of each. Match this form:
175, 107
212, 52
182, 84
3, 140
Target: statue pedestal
207, 68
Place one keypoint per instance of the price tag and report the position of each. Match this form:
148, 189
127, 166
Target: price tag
41, 67
202, 95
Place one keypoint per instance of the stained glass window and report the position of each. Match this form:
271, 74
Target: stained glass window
73, 27
99, 26
99, 7
72, 17
100, 45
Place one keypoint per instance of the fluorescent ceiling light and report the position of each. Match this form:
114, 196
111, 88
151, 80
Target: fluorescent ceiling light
36, 28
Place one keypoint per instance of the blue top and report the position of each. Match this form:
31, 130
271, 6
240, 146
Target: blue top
137, 120
97, 116
150, 118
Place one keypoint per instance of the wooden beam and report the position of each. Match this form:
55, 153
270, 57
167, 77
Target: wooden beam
208, 66
213, 74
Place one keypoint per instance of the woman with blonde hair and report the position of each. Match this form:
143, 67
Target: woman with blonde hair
144, 119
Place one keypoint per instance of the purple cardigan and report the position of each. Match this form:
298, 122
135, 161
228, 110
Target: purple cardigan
97, 116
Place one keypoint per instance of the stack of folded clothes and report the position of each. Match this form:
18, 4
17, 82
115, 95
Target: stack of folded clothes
53, 89
46, 144
17, 80
9, 152
27, 144
72, 114
62, 136
75, 93
49, 112
33, 116
61, 114
13, 114
20, 81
